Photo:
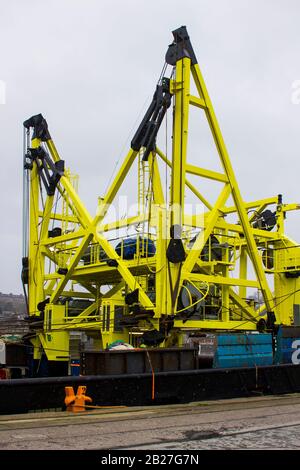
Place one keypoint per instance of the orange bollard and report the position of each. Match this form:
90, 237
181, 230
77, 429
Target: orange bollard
76, 403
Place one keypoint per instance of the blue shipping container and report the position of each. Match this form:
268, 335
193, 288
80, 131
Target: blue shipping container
288, 341
243, 350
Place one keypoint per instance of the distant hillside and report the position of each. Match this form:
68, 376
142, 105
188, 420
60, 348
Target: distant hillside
12, 304
12, 313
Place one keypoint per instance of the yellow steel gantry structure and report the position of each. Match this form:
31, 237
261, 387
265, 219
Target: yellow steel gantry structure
183, 273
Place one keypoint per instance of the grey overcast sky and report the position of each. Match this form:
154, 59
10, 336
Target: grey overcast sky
90, 65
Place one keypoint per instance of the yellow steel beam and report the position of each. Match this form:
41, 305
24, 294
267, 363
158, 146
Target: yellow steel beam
115, 186
92, 270
198, 102
46, 218
52, 276
243, 305
181, 89
213, 175
196, 221
71, 293
214, 325
162, 275
35, 267
90, 288
252, 205
63, 238
52, 256
114, 290
158, 194
241, 210
243, 271
69, 218
180, 139
264, 234
136, 219
227, 281
85, 313
290, 207
188, 183
202, 238
84, 326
